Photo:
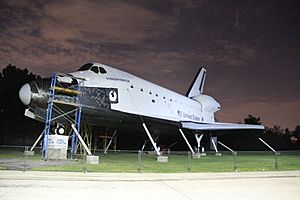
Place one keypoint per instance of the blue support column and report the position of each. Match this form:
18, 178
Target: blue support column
77, 120
48, 116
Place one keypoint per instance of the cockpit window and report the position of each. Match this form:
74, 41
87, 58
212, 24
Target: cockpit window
85, 67
102, 70
95, 69
90, 67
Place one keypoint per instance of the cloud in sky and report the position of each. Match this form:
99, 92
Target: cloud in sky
70, 31
251, 49
111, 21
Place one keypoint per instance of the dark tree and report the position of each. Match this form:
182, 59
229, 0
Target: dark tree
13, 123
295, 135
287, 131
277, 130
297, 130
252, 120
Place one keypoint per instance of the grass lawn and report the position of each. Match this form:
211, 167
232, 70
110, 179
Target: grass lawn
128, 162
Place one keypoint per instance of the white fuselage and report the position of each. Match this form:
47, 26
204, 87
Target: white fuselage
140, 97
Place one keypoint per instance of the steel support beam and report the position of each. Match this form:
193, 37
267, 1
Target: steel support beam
226, 147
187, 142
111, 139
81, 140
215, 146
36, 142
151, 139
198, 139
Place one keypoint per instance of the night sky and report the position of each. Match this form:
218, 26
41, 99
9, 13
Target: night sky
251, 49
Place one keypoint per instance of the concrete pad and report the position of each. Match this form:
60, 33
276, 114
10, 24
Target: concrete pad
196, 155
29, 153
35, 185
56, 154
162, 158
93, 160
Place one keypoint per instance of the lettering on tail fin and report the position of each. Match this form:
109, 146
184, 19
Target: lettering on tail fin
197, 85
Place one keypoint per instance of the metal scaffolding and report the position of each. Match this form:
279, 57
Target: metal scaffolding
48, 116
67, 95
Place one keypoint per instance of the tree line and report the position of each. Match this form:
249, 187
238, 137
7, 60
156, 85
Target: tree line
16, 129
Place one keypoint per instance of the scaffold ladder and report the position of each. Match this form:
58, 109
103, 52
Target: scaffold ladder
49, 116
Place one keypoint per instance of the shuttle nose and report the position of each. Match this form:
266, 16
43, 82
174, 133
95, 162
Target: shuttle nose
25, 94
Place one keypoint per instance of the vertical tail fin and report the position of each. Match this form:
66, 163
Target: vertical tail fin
197, 85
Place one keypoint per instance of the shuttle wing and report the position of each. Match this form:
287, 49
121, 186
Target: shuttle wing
219, 126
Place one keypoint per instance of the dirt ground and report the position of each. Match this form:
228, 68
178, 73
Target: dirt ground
24, 164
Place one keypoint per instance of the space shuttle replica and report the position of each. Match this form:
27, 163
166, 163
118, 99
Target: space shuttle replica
98, 94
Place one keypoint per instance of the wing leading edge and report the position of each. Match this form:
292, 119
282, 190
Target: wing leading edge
219, 126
